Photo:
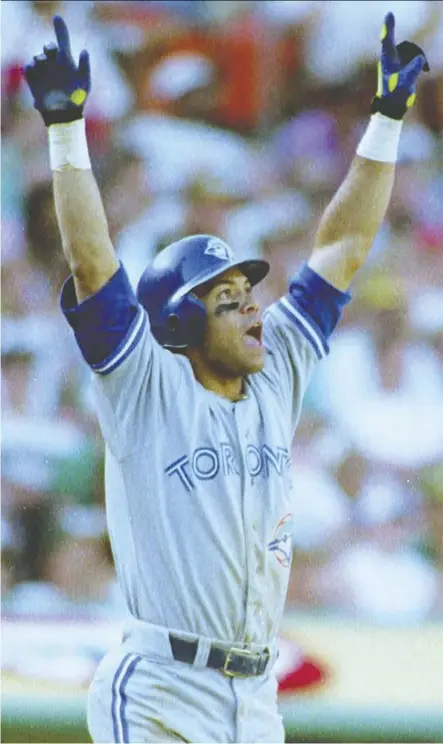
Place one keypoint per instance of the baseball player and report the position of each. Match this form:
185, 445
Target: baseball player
198, 397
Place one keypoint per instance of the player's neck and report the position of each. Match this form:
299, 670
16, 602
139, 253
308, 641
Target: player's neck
231, 388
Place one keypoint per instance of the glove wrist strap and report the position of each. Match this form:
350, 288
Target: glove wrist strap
68, 147
381, 139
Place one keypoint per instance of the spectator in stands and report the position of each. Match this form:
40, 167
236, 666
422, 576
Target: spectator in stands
75, 578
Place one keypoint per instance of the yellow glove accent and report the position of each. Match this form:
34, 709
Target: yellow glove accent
384, 31
393, 80
78, 96
379, 80
411, 100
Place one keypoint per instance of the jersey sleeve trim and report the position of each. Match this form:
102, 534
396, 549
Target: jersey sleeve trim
124, 350
304, 325
314, 306
107, 325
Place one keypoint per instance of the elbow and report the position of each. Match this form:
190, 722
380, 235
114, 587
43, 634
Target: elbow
349, 250
355, 254
90, 258
339, 262
92, 267
89, 282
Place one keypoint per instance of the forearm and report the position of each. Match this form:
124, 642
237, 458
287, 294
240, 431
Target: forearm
84, 230
352, 219
80, 212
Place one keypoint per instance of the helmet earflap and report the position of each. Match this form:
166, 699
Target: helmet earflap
185, 321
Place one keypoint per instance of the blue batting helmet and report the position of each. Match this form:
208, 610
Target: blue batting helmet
176, 315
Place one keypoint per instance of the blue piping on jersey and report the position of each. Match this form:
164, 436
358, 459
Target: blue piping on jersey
307, 332
122, 352
317, 300
119, 698
306, 319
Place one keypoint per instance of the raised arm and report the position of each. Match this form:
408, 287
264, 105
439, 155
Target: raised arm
352, 219
60, 89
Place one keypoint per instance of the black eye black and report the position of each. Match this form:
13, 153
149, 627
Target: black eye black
226, 307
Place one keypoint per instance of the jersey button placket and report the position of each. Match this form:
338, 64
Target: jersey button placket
252, 604
243, 485
247, 437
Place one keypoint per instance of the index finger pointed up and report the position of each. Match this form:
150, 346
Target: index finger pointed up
387, 34
62, 35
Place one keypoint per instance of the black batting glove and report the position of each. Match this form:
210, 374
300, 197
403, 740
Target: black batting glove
59, 87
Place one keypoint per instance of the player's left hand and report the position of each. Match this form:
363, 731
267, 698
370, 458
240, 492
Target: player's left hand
398, 69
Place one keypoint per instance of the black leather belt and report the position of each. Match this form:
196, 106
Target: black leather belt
234, 662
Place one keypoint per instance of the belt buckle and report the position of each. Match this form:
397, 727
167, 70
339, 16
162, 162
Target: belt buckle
263, 662
238, 652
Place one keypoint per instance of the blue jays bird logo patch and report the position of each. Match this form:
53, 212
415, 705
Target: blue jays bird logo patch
281, 543
219, 248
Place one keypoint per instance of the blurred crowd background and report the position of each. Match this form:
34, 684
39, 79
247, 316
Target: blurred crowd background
238, 119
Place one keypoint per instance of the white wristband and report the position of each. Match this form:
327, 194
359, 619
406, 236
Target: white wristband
68, 147
381, 139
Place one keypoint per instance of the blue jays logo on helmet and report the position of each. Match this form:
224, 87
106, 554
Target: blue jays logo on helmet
216, 247
281, 543
176, 315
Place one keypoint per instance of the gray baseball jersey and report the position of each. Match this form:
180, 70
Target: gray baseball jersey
198, 488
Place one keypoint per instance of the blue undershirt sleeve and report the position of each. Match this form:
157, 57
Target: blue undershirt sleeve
315, 306
108, 325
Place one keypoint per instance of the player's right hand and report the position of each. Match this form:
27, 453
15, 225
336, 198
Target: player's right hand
59, 87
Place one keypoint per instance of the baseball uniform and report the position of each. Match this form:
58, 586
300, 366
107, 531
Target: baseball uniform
198, 498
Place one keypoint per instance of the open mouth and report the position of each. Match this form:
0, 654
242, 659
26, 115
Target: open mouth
255, 333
